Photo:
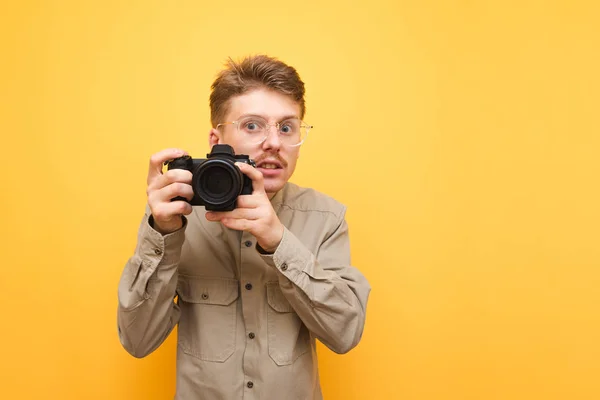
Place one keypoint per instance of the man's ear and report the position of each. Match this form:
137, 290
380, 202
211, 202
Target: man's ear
214, 137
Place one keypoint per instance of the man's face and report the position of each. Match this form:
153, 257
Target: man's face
275, 160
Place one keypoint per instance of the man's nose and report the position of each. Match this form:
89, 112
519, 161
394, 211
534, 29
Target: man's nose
273, 141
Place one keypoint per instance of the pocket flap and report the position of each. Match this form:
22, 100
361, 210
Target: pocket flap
276, 298
205, 290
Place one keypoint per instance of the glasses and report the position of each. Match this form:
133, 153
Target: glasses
292, 131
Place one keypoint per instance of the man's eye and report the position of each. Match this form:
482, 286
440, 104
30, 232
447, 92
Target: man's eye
286, 129
252, 126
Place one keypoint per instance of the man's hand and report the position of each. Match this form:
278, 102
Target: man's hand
163, 187
254, 213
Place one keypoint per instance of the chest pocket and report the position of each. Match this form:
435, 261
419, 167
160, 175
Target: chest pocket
207, 326
288, 337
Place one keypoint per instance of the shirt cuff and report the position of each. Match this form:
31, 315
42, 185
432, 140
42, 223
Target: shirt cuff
291, 258
155, 248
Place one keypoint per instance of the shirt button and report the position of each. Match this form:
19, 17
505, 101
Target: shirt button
250, 384
204, 296
158, 252
248, 286
247, 243
284, 267
251, 335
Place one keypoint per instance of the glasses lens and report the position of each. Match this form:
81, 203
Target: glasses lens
292, 131
254, 129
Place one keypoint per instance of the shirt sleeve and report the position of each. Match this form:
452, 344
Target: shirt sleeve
327, 293
146, 312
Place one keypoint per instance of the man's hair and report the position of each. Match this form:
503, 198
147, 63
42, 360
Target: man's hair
254, 72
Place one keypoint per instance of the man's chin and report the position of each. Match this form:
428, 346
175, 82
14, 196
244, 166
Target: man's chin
273, 186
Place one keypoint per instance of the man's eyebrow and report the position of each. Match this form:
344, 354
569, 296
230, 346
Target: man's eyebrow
251, 115
286, 117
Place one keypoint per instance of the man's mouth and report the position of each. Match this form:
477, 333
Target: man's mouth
271, 166
267, 165
270, 163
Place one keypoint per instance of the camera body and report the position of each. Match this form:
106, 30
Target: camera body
216, 181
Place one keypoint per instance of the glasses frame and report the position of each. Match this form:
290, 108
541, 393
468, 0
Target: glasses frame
276, 125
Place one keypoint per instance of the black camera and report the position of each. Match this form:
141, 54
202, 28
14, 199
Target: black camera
216, 181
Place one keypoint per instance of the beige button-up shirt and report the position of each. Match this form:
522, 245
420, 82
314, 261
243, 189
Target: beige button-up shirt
247, 321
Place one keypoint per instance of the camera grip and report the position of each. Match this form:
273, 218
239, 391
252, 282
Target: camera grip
183, 162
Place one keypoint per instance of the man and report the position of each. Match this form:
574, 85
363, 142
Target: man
255, 286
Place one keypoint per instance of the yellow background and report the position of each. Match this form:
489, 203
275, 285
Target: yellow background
462, 135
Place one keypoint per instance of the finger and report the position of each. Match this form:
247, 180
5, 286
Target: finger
237, 224
248, 201
157, 160
171, 176
166, 211
238, 213
254, 175
171, 191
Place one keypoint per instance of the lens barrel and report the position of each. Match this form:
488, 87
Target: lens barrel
217, 182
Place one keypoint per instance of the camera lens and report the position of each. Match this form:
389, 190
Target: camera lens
218, 182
